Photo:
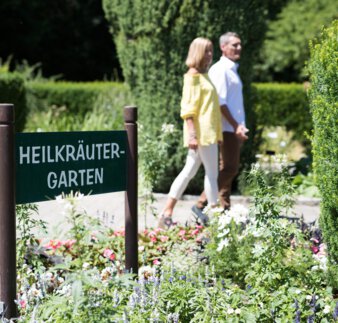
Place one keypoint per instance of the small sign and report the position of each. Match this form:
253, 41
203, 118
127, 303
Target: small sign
51, 163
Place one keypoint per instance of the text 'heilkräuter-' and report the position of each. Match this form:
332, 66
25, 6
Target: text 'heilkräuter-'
68, 153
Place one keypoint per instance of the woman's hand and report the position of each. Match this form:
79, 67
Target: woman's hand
193, 143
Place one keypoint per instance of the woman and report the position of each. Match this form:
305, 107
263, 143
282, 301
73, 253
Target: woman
202, 129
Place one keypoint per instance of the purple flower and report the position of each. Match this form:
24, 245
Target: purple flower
297, 318
335, 312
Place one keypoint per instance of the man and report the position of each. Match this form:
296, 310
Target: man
224, 76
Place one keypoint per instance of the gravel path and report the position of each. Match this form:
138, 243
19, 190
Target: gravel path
110, 209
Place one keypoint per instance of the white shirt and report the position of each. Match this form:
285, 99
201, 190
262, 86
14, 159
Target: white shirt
228, 84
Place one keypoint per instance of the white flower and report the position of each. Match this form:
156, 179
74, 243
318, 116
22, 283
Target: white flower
308, 297
106, 273
258, 250
222, 244
167, 128
282, 143
239, 213
230, 310
66, 290
327, 309
322, 260
47, 276
272, 135
146, 272
34, 292
223, 221
223, 233
86, 265
238, 311
216, 210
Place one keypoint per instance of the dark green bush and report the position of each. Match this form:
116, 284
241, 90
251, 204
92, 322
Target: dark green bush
78, 98
12, 90
324, 108
277, 104
152, 40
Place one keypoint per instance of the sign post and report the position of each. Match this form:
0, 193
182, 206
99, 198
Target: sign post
7, 212
37, 167
131, 243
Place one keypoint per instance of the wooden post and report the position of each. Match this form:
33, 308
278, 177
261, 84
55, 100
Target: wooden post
7, 211
131, 201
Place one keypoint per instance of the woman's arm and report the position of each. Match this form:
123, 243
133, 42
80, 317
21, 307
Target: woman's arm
193, 143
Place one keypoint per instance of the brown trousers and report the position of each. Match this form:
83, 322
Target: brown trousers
229, 153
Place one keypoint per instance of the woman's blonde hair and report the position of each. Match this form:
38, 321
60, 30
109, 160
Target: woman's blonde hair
196, 53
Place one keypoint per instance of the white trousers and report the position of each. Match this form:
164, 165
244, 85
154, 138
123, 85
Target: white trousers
208, 155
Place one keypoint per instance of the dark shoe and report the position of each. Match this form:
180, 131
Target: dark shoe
165, 222
199, 215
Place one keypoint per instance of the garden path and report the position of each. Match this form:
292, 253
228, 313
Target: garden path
110, 209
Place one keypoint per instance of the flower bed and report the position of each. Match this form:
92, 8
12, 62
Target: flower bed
247, 266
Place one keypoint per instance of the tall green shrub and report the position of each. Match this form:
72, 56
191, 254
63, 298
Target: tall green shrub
152, 39
12, 90
323, 68
278, 104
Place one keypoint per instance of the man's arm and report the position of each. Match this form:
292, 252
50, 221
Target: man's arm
240, 130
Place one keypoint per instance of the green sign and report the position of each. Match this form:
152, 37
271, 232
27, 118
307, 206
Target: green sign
51, 163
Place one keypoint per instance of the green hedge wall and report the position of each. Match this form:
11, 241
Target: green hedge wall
324, 108
274, 104
12, 90
277, 104
79, 98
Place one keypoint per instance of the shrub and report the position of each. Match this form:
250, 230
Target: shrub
79, 98
152, 40
277, 104
324, 108
12, 90
67, 106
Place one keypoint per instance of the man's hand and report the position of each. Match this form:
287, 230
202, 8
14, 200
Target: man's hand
241, 132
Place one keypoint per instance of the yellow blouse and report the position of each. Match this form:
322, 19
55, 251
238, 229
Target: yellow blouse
200, 101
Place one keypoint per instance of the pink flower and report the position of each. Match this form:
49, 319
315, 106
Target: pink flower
108, 253
156, 262
322, 249
22, 303
195, 232
164, 238
198, 240
314, 240
53, 244
119, 233
181, 233
68, 243
199, 226
153, 239
314, 249
152, 233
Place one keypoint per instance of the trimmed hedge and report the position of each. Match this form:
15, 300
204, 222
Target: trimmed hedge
79, 98
324, 108
12, 90
277, 104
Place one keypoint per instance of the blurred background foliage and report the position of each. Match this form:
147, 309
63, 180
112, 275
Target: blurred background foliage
71, 38
51, 45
